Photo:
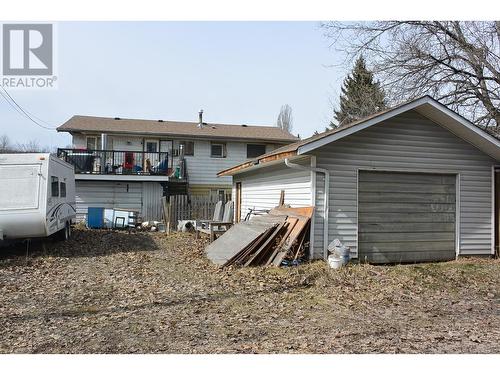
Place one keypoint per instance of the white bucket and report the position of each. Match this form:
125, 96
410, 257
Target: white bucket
345, 254
334, 262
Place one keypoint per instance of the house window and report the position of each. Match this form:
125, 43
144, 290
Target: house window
218, 150
63, 189
54, 186
254, 150
91, 143
188, 147
151, 146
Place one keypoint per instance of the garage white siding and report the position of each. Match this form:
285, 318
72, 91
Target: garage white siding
261, 189
141, 196
408, 142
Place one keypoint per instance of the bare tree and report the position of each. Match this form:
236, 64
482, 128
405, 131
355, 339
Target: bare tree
4, 143
285, 118
458, 63
31, 146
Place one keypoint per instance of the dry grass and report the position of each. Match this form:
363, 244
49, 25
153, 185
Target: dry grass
125, 293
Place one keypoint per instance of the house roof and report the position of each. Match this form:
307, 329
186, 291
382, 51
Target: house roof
175, 128
425, 105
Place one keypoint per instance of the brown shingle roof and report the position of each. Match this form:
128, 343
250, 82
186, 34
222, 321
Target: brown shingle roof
175, 128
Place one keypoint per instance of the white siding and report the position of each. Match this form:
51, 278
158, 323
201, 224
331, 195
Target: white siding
79, 141
124, 143
261, 189
202, 168
151, 201
409, 142
142, 196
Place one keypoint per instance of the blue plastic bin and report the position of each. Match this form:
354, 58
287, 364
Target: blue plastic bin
95, 217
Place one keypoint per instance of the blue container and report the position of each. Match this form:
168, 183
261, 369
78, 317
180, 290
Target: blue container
95, 217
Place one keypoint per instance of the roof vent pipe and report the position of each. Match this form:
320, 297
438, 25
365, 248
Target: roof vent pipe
200, 121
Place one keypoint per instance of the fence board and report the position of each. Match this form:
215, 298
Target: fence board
196, 207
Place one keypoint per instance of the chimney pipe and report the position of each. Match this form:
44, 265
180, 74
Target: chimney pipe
200, 122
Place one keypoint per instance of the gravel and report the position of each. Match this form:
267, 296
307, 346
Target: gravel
115, 292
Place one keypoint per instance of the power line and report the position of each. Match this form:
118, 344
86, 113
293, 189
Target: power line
12, 102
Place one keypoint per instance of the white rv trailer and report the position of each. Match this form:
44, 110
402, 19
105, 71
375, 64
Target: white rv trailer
37, 196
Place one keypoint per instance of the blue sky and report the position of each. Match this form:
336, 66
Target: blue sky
238, 72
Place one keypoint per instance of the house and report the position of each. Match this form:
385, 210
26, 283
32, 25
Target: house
412, 183
131, 164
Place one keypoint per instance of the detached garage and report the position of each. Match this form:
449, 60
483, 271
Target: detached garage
413, 183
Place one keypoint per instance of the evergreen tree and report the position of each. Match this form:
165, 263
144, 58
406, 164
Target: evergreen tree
360, 96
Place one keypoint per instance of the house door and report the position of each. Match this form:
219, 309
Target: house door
238, 202
151, 156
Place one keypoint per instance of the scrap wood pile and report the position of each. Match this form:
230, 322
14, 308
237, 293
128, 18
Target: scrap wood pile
280, 235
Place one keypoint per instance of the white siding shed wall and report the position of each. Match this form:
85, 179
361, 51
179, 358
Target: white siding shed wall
261, 189
409, 142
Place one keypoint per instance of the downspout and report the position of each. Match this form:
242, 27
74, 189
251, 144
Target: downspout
325, 198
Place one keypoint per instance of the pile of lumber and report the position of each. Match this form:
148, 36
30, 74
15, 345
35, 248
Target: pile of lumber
280, 235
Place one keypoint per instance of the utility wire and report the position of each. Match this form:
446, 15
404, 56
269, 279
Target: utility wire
12, 102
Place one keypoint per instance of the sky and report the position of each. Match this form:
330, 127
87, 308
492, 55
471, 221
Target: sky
237, 72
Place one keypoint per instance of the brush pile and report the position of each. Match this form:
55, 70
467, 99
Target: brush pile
281, 235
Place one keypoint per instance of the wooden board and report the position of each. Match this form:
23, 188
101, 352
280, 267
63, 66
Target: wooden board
237, 238
291, 240
295, 211
264, 249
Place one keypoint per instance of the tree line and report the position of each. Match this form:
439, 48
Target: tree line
6, 146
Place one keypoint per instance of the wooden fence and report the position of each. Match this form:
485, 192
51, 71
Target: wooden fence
195, 207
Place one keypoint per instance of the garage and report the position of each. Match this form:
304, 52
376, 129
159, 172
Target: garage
406, 217
414, 183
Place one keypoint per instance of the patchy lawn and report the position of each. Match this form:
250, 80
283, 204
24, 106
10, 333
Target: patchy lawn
144, 293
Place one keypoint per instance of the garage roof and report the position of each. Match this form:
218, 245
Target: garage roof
426, 106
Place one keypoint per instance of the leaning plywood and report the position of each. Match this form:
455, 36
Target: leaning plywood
238, 238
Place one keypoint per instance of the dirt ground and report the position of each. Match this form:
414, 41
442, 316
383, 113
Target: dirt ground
112, 292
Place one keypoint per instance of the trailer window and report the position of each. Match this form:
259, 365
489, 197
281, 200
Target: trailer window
54, 185
63, 189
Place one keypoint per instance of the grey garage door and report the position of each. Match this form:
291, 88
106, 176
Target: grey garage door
406, 217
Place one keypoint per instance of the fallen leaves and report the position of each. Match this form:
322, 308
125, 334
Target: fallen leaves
114, 292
